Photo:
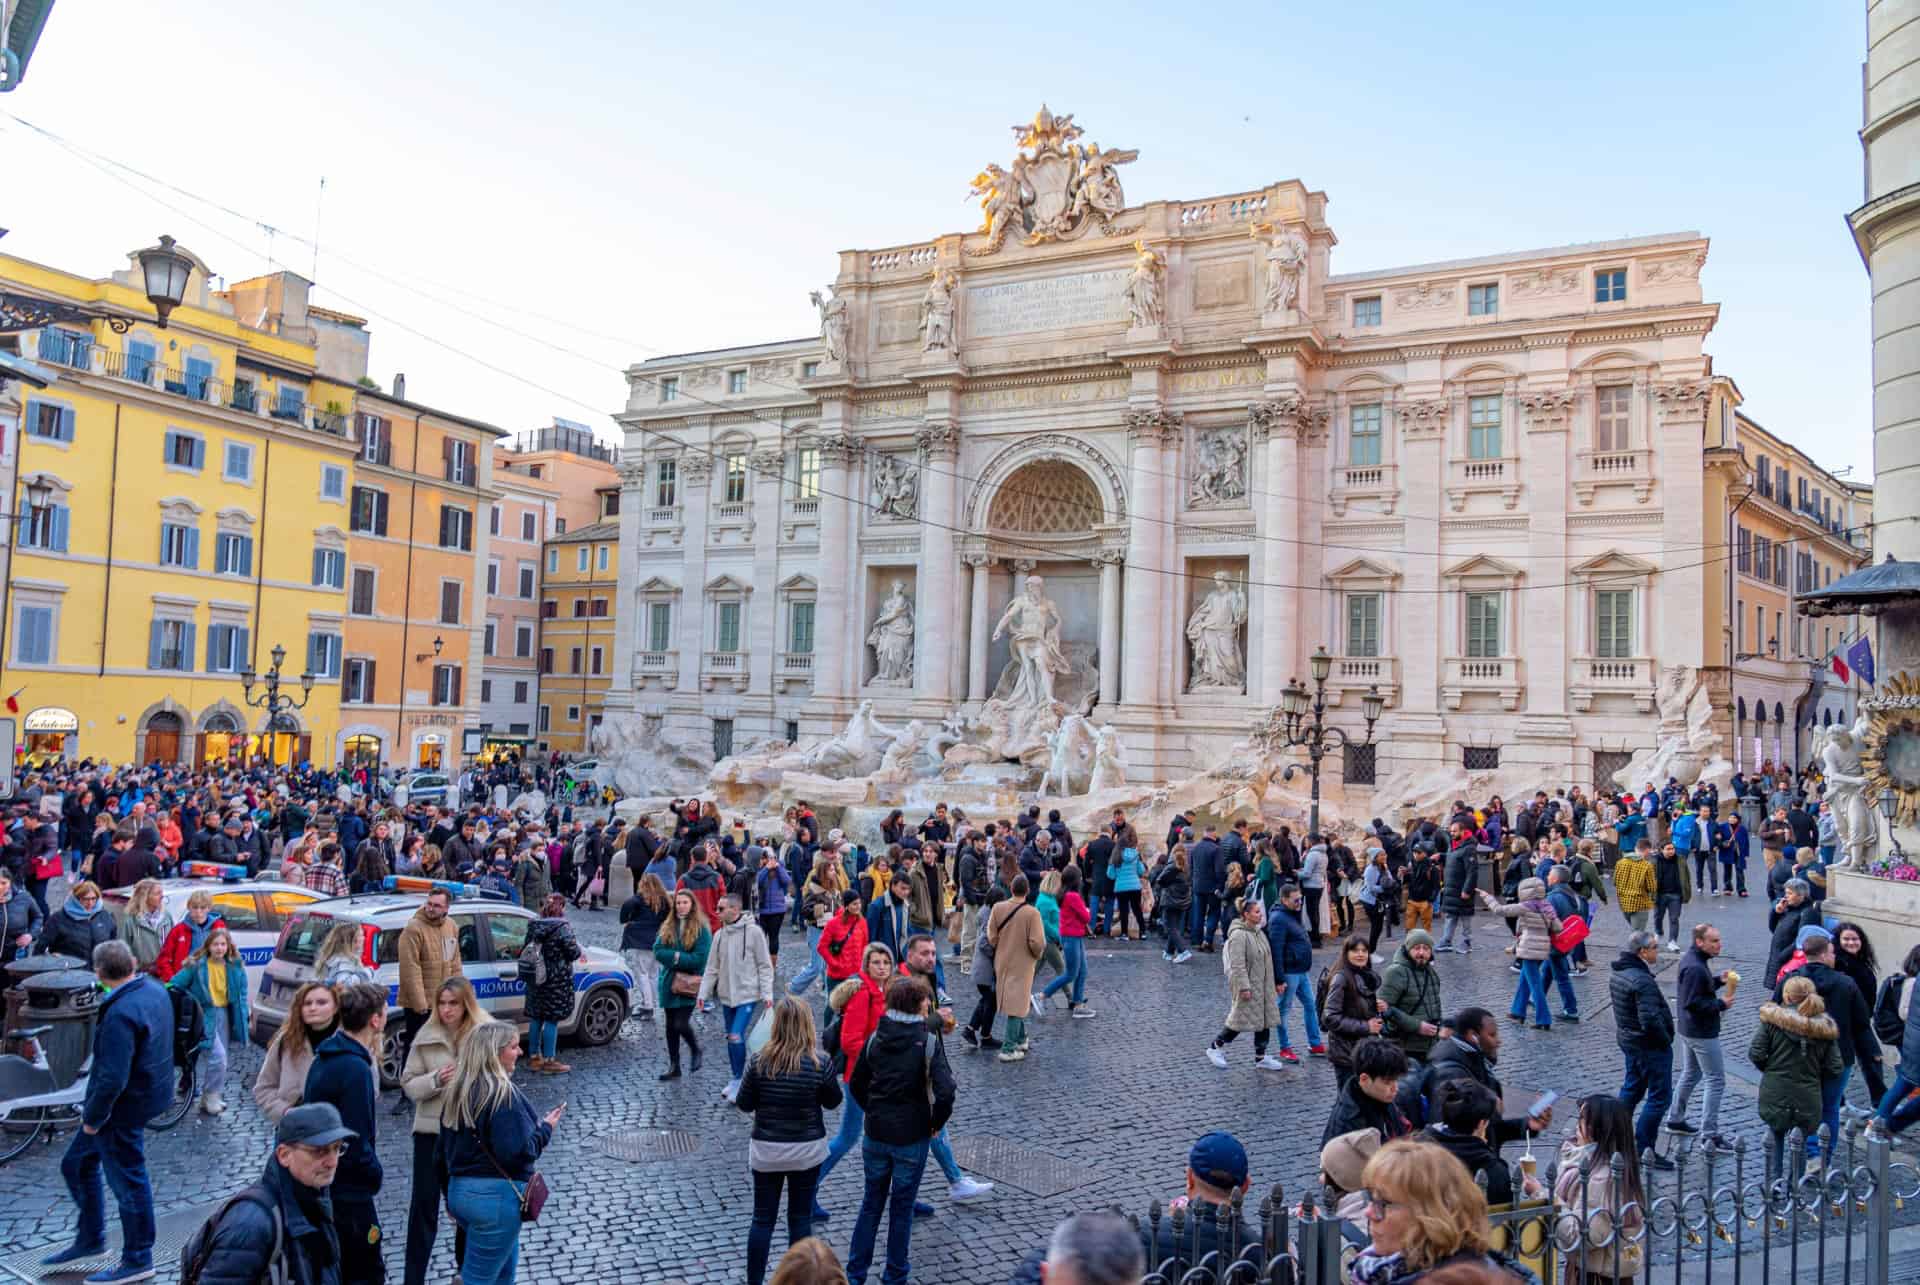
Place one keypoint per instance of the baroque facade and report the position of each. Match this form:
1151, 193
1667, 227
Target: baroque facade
1479, 483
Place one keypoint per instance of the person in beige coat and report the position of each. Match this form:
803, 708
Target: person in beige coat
429, 954
740, 975
1019, 939
424, 1079
1254, 1003
311, 1017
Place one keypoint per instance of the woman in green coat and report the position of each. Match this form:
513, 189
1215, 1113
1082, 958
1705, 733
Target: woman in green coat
681, 947
1795, 1049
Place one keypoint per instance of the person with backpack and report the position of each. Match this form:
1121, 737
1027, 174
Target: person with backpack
854, 1008
545, 967
1174, 890
281, 1227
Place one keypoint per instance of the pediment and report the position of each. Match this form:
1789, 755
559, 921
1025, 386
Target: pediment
1363, 569
799, 583
1483, 566
1613, 563
655, 585
727, 584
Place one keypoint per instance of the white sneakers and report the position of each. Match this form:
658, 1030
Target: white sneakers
1216, 1057
968, 1189
732, 1090
1081, 1010
1269, 1063
1183, 957
1674, 946
213, 1104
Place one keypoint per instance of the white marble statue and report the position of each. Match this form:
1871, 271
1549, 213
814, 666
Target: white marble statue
1069, 756
1109, 772
1214, 631
1097, 188
896, 488
1219, 467
892, 639
1286, 268
1859, 833
898, 763
952, 732
936, 314
833, 322
1145, 304
1034, 623
856, 750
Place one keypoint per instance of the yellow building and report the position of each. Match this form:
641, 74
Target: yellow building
199, 477
576, 633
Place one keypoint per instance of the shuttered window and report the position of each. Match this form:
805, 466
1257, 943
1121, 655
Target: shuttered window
33, 637
1363, 624
232, 554
49, 421
179, 545
226, 648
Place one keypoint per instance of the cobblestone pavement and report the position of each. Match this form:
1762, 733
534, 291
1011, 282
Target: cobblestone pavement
1100, 1114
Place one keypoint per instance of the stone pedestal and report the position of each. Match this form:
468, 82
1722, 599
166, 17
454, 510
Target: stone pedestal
1884, 907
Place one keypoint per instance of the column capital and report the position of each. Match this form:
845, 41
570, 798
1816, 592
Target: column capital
838, 449
1109, 557
1681, 399
1155, 425
633, 477
1292, 415
768, 464
1425, 417
939, 441
696, 466
978, 561
1547, 411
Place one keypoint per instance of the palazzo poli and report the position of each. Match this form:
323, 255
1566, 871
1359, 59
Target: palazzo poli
1482, 484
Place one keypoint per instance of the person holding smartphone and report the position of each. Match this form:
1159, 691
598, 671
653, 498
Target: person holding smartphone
490, 1139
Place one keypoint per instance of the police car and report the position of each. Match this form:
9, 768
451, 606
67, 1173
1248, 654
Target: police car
491, 935
255, 910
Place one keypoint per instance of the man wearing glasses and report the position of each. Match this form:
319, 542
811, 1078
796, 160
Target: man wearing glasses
238, 1243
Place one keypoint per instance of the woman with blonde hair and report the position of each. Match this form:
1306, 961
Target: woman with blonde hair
1424, 1213
787, 1086
338, 962
1796, 1049
146, 924
430, 1067
312, 1016
819, 902
490, 1139
640, 920
810, 1262
218, 980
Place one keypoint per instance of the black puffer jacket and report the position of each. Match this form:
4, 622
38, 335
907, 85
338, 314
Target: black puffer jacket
787, 1108
1642, 1020
891, 1082
552, 999
243, 1243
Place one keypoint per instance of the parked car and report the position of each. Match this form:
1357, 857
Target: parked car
491, 935
426, 787
255, 910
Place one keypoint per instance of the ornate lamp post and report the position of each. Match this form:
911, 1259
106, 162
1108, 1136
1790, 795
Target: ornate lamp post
1889, 805
279, 707
1315, 735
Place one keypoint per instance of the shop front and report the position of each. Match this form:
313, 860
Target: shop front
361, 749
48, 735
503, 747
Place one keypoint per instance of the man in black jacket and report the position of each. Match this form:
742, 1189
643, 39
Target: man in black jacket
343, 1075
1701, 1005
1099, 852
306, 1155
1643, 1027
1367, 1102
1464, 1120
1848, 1009
1470, 1052
903, 1082
1795, 910
1209, 879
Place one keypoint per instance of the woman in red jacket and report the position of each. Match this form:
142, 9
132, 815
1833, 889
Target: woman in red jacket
187, 936
861, 1004
843, 942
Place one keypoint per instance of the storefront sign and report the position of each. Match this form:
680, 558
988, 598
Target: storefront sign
51, 718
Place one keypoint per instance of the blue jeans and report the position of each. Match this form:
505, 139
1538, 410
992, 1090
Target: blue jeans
1533, 986
1562, 969
1648, 1084
893, 1180
489, 1208
739, 1020
1299, 986
121, 1154
816, 967
1832, 1094
1895, 1111
943, 1156
542, 1038
853, 1121
1102, 906
1074, 951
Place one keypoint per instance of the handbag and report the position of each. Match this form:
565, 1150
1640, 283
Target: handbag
533, 1198
685, 985
48, 867
1572, 932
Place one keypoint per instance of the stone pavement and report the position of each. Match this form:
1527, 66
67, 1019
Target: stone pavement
1101, 1114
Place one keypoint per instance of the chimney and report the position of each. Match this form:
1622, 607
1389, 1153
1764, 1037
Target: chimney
400, 387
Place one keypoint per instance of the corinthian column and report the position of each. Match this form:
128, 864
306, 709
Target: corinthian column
1683, 489
1544, 465
768, 467
1110, 561
979, 625
1276, 428
933, 647
1150, 432
832, 669
628, 619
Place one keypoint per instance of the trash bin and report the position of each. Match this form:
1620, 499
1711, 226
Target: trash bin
66, 1001
17, 973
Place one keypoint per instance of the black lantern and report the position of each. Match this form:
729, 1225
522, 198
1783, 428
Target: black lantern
165, 270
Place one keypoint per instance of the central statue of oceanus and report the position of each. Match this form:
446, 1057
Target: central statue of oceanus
1033, 622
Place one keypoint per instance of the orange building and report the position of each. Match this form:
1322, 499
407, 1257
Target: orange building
416, 605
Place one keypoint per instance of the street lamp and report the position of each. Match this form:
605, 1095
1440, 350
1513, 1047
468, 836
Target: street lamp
438, 643
166, 271
1315, 735
1889, 804
279, 707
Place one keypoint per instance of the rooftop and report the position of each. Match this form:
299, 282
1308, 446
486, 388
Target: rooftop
1519, 256
777, 346
587, 534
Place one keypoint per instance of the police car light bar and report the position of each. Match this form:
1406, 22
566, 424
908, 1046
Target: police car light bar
213, 870
453, 888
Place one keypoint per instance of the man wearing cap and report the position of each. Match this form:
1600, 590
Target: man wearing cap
1216, 1168
293, 1191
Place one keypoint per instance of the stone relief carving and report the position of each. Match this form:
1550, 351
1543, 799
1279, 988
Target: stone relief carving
1427, 416
1214, 633
1219, 468
833, 322
1286, 254
1545, 281
1146, 303
896, 488
1056, 188
1686, 267
1424, 295
936, 314
892, 639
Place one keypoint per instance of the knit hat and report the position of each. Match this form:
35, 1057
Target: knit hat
1418, 937
1344, 1158
1808, 933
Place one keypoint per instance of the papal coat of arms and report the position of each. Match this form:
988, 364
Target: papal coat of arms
1056, 189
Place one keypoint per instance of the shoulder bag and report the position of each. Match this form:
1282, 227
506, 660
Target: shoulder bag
533, 1198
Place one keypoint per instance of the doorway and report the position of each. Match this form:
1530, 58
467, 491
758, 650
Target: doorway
163, 738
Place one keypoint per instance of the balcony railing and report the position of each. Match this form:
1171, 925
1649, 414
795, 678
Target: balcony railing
663, 515
1611, 675
1595, 469
1363, 481
729, 667
1489, 476
729, 513
808, 508
1357, 673
1498, 675
660, 667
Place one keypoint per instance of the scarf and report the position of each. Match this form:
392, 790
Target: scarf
77, 911
1370, 1268
155, 921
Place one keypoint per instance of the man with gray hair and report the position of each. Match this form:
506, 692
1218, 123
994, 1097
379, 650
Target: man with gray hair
1643, 1027
1796, 910
1093, 1249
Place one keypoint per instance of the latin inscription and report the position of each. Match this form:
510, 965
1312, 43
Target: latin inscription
1051, 303
898, 323
1045, 395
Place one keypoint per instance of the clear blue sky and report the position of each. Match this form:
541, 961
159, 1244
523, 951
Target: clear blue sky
675, 177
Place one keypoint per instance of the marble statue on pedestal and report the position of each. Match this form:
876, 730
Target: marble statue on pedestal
1034, 623
856, 750
1286, 267
936, 314
1069, 755
1146, 306
1109, 772
892, 639
1859, 833
1214, 632
833, 323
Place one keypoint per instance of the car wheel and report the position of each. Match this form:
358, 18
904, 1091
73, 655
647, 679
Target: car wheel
602, 1015
390, 1057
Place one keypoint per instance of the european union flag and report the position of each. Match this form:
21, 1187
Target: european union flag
1860, 656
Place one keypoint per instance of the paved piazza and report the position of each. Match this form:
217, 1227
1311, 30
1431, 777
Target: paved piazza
1117, 1099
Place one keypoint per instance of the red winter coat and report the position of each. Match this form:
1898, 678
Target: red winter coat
860, 1019
178, 948
843, 943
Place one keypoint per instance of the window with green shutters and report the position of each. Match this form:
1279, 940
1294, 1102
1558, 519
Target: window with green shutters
800, 628
1483, 427
33, 635
659, 626
1483, 625
1613, 623
1363, 624
226, 649
1363, 436
729, 632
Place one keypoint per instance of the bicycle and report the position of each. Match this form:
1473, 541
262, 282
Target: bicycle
32, 1104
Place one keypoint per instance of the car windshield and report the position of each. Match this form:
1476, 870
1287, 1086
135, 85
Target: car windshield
304, 935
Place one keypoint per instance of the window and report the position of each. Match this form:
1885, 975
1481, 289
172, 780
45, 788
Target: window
289, 402
33, 635
1483, 624
456, 527
493, 519
170, 645
666, 476
605, 552
526, 580
1483, 301
1745, 544
323, 654
1610, 417
1360, 766
599, 608
1773, 643
722, 738
808, 369
140, 357
559, 526
446, 684
46, 529
1366, 312
793, 731
575, 657
49, 421
238, 466
459, 461
573, 713
1363, 436
493, 579
806, 473
579, 608
799, 628
486, 684
449, 602
1483, 427
528, 527
727, 636
580, 557
356, 682
660, 627
226, 649
669, 389
376, 439
1764, 468
610, 505
179, 545
509, 934
546, 660
595, 661
1613, 623
1780, 565
1363, 624
368, 511
67, 347
546, 717
1759, 629
360, 601
1477, 758
1610, 285
520, 691
736, 381
553, 562
180, 450
549, 609
199, 375
330, 572
333, 482
232, 554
